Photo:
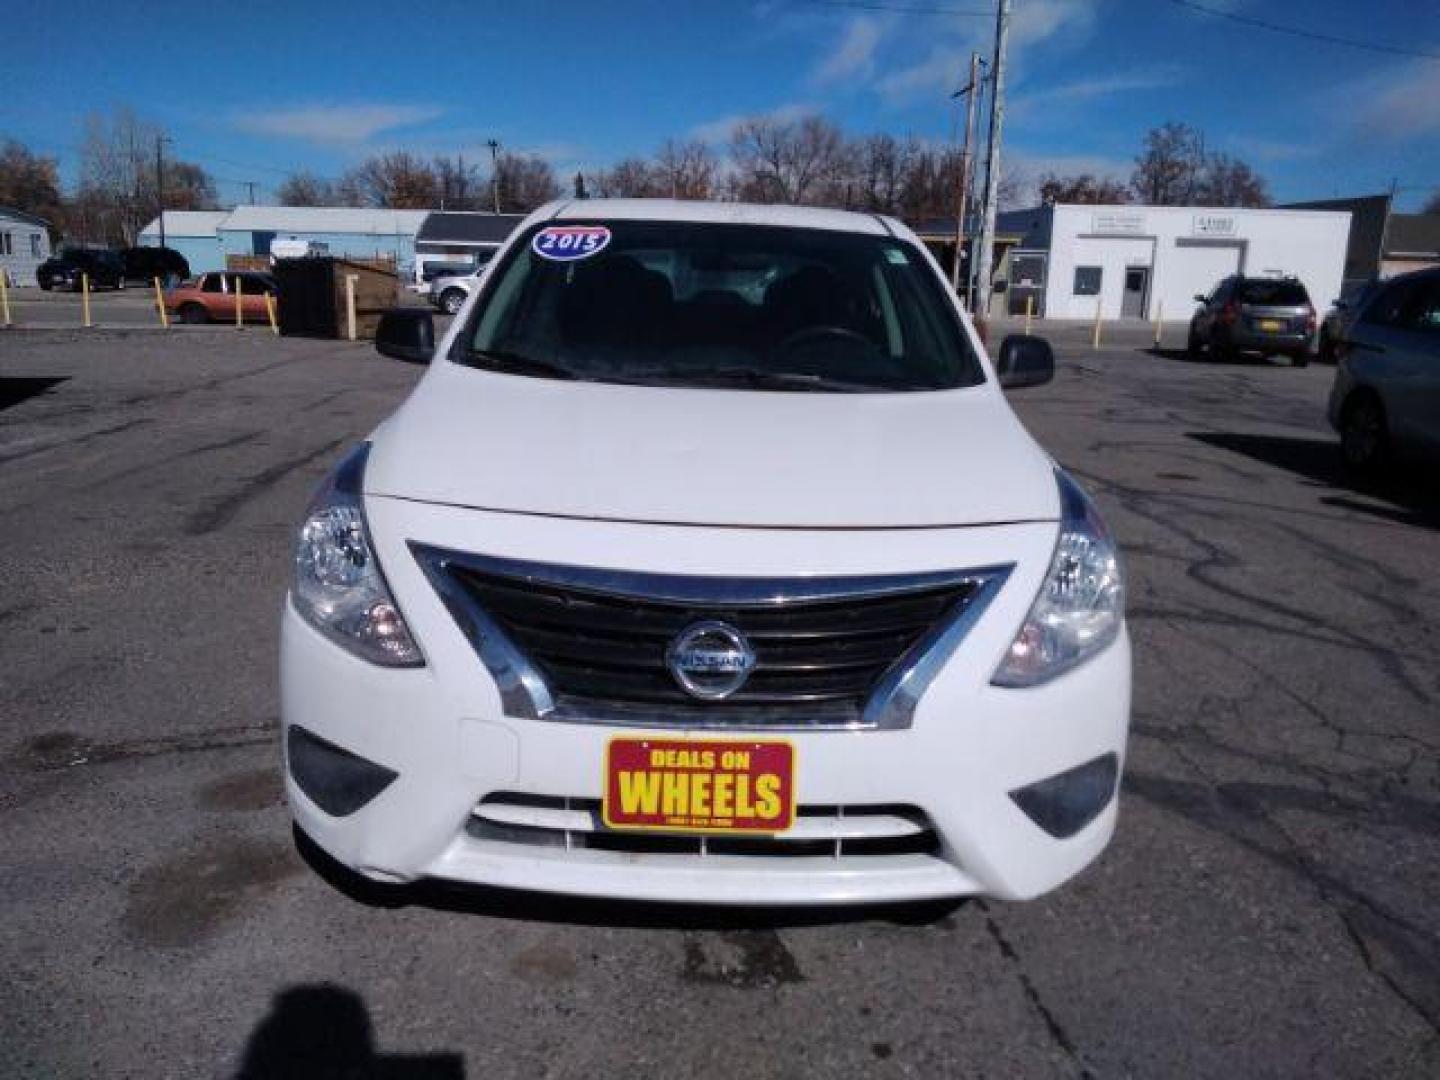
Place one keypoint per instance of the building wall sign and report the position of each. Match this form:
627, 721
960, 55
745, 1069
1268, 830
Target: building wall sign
1118, 221
1212, 225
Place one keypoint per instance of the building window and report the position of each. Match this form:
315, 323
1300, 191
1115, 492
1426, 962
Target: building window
7, 243
1087, 280
35, 245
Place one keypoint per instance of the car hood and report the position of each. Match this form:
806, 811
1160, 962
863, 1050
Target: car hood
711, 457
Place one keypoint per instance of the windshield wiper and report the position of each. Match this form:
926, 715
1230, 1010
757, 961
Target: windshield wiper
786, 380
508, 363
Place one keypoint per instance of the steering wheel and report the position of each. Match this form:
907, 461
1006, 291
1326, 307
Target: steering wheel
818, 333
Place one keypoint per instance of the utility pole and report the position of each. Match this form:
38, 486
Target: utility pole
495, 172
250, 186
992, 160
969, 93
160, 141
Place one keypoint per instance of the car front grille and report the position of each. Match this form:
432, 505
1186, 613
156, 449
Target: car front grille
818, 832
585, 644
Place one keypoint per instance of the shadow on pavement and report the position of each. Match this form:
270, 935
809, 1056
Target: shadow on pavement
585, 911
323, 1032
1318, 460
1207, 357
17, 389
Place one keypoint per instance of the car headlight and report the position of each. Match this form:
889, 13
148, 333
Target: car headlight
1081, 604
338, 587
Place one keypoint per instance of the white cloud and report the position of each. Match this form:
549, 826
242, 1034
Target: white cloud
720, 130
1400, 106
854, 56
1089, 89
942, 65
1262, 149
335, 123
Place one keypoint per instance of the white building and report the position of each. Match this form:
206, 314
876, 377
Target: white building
1145, 262
24, 245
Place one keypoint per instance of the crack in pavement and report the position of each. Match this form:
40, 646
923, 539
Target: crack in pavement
1058, 1035
220, 513
57, 750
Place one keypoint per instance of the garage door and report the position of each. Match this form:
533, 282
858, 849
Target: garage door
1199, 267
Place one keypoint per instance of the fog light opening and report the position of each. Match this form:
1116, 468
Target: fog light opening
1065, 803
334, 779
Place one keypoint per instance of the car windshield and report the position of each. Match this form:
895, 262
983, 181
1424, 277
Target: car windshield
1275, 293
720, 305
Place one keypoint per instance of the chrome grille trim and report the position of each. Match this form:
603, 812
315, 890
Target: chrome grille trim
819, 831
525, 692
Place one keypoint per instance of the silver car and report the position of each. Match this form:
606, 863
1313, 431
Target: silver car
1261, 315
1386, 397
450, 291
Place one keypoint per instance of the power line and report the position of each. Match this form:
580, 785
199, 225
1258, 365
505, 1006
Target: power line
1301, 32
900, 9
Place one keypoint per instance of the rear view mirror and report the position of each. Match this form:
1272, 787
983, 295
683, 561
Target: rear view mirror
406, 334
1024, 360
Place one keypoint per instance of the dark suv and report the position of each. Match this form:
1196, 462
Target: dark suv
105, 268
1268, 316
145, 264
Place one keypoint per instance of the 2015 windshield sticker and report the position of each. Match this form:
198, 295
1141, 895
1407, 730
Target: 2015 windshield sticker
566, 243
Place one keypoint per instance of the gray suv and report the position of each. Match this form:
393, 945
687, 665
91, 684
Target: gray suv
1269, 316
1386, 397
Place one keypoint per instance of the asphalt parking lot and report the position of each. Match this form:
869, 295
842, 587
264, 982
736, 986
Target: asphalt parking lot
1268, 907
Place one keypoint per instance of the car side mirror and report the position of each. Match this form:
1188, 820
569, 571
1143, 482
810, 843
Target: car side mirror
1025, 360
406, 334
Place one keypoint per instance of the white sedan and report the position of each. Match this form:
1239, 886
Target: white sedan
707, 563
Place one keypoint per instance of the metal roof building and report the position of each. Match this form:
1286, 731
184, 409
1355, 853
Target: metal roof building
191, 233
212, 236
449, 236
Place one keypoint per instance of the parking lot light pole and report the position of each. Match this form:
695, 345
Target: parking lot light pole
494, 146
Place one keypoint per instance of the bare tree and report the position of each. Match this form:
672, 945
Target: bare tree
686, 170
1167, 169
879, 166
1226, 181
631, 178
189, 187
118, 193
524, 182
784, 161
458, 184
1081, 188
1174, 169
306, 189
398, 180
30, 183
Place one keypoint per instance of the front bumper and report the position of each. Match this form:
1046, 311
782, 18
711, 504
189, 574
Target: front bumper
442, 731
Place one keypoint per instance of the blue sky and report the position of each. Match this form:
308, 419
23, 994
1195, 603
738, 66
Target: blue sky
254, 90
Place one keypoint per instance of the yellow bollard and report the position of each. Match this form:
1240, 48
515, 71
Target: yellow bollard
1159, 320
350, 280
1095, 338
1029, 309
160, 306
5, 301
85, 298
239, 295
270, 310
